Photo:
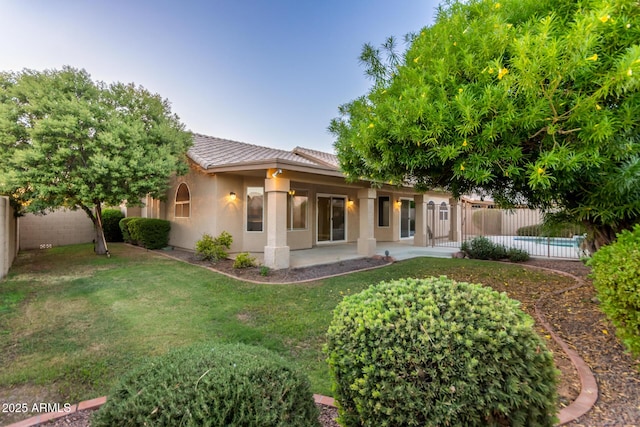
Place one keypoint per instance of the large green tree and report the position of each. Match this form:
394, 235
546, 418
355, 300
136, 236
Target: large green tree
530, 101
67, 141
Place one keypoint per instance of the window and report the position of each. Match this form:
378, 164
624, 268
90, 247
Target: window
183, 202
384, 207
297, 205
255, 208
444, 212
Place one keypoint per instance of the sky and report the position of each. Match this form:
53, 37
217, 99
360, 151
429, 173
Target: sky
266, 72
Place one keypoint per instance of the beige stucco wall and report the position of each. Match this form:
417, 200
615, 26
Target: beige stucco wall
213, 211
57, 228
8, 236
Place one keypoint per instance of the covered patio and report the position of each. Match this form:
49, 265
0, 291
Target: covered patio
324, 254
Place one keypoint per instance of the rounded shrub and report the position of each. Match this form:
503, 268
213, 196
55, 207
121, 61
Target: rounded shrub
244, 260
437, 352
111, 224
483, 248
152, 233
211, 248
124, 228
211, 385
616, 273
517, 255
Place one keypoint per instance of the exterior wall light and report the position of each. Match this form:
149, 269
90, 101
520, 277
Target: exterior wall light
232, 196
276, 173
292, 192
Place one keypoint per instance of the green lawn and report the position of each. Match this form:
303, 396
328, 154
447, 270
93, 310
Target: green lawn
72, 322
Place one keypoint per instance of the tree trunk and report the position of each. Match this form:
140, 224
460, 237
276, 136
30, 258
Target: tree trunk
100, 245
599, 235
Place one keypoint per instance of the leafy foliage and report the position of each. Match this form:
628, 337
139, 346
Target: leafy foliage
214, 249
66, 140
111, 224
152, 233
244, 260
483, 248
124, 228
530, 101
438, 352
517, 255
616, 269
212, 385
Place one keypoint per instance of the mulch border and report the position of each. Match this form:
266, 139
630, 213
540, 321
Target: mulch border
588, 385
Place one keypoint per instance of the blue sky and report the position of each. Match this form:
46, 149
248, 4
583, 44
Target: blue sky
264, 72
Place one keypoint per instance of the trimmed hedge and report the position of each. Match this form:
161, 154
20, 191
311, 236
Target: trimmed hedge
124, 228
211, 385
152, 233
616, 277
437, 352
111, 224
555, 230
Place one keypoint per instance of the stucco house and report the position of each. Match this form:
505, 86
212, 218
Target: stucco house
275, 201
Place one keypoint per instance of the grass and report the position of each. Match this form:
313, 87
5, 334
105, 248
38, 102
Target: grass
72, 323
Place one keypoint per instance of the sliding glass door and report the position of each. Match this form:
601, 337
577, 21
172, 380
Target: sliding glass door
331, 218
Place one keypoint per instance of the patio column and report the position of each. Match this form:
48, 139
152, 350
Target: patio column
455, 221
421, 237
276, 253
366, 239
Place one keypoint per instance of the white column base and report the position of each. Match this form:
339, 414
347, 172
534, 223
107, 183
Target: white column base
366, 247
276, 257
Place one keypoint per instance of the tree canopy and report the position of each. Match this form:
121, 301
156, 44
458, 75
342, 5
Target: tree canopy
67, 141
528, 101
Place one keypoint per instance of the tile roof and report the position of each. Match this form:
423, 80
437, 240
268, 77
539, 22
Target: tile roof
210, 152
327, 159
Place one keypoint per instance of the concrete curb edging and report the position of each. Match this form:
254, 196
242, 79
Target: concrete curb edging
588, 385
99, 401
43, 418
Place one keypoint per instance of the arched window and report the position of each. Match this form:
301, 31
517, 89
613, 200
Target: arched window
183, 201
444, 212
431, 206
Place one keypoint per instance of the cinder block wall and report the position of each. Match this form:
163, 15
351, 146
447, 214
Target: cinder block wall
8, 236
57, 228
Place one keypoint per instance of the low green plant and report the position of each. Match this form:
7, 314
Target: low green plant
264, 271
616, 269
438, 352
483, 248
111, 224
152, 233
211, 385
244, 260
517, 255
124, 228
214, 248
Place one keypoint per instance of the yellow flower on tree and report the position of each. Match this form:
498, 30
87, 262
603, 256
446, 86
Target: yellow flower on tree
464, 143
502, 72
540, 171
462, 167
598, 107
371, 125
605, 18
629, 72
593, 57
497, 6
416, 59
